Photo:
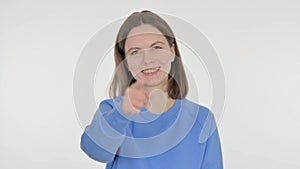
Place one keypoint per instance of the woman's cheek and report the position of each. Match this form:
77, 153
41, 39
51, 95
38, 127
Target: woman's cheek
133, 67
165, 65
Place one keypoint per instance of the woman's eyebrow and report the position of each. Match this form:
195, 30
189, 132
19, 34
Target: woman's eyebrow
132, 48
156, 42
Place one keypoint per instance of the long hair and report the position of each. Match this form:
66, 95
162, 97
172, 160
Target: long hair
177, 89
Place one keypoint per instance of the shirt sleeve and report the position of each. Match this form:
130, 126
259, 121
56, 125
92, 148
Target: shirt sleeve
102, 138
213, 152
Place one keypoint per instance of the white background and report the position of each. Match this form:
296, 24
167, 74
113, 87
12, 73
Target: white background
258, 44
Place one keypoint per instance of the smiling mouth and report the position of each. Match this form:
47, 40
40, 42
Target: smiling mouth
151, 71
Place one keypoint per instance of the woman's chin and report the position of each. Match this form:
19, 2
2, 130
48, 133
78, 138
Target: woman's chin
155, 83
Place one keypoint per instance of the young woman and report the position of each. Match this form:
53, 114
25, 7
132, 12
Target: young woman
148, 123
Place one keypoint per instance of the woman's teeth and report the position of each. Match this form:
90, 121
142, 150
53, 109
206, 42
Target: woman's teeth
150, 70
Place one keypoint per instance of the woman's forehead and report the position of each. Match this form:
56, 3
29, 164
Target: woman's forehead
144, 40
143, 29
143, 35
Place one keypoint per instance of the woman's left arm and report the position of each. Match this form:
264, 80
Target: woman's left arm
213, 153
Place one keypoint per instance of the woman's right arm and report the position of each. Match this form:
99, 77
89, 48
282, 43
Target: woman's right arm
102, 138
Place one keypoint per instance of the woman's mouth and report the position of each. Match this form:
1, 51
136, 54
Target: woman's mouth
151, 71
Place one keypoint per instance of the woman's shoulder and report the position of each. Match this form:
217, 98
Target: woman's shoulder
205, 120
202, 111
201, 108
110, 102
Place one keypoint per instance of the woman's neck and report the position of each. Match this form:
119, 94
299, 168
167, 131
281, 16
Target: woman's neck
159, 102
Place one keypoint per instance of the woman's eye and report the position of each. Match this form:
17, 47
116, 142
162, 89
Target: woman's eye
134, 52
157, 47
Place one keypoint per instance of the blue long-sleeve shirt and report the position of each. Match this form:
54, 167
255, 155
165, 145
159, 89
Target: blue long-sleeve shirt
184, 137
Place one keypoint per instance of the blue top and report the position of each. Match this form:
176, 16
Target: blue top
185, 136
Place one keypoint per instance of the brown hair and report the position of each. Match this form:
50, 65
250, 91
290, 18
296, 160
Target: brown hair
177, 89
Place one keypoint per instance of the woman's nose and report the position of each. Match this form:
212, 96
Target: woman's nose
147, 57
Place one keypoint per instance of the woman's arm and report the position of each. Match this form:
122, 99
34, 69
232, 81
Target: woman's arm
102, 138
213, 153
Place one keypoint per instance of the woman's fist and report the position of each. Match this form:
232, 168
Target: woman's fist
135, 98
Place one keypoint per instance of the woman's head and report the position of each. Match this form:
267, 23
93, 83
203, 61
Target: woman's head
146, 35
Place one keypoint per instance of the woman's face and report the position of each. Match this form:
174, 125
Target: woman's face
148, 55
